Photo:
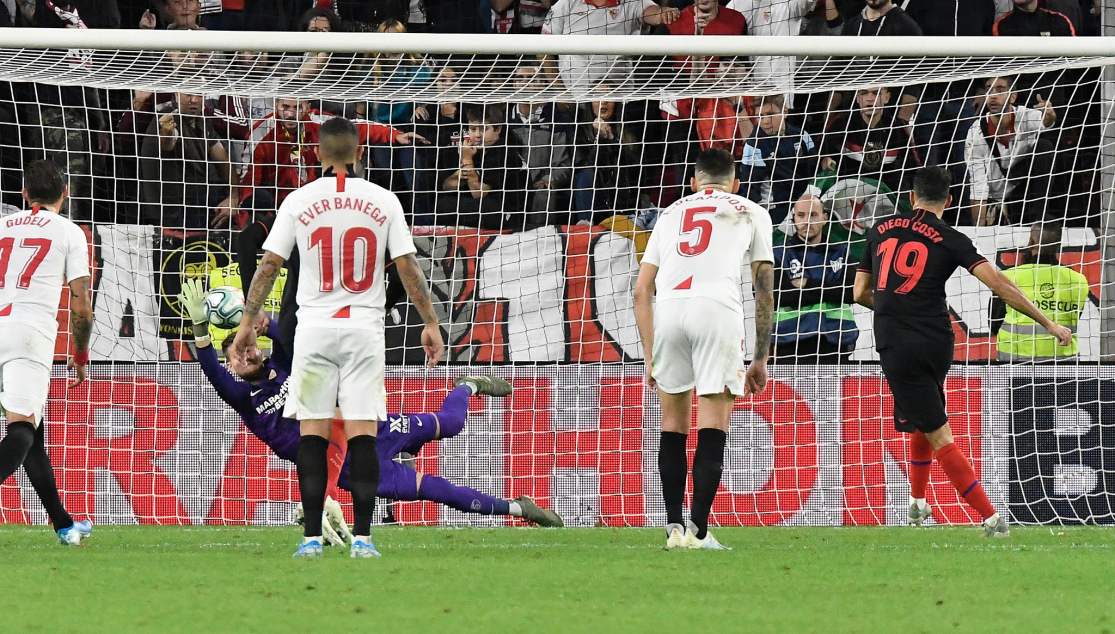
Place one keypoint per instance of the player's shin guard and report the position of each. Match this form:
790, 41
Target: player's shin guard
313, 475
708, 464
454, 411
41, 474
921, 459
14, 447
960, 473
363, 481
443, 491
672, 468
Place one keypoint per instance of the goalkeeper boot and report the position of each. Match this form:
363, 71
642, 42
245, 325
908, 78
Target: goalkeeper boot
995, 526
335, 519
534, 513
75, 534
486, 385
363, 548
708, 543
675, 536
309, 548
919, 512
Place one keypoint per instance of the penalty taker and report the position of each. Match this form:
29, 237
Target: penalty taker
260, 396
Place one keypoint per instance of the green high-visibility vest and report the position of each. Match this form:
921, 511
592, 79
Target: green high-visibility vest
1060, 293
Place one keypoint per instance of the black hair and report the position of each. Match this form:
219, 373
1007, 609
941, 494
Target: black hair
43, 181
489, 115
313, 14
931, 184
338, 139
717, 164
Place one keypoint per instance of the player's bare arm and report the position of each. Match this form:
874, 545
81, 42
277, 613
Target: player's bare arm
863, 291
1013, 296
81, 327
414, 281
264, 280
762, 275
644, 315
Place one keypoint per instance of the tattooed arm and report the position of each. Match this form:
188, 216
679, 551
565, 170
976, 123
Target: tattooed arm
81, 326
244, 346
762, 275
419, 293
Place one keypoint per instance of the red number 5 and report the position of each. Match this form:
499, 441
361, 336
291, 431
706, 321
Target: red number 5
703, 227
909, 262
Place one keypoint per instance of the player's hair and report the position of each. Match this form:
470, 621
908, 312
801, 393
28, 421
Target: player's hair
931, 185
490, 115
339, 140
715, 165
43, 181
227, 343
1046, 236
778, 101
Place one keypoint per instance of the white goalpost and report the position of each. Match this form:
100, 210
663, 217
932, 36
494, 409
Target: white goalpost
179, 146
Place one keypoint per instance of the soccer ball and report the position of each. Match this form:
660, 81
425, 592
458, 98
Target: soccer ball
224, 306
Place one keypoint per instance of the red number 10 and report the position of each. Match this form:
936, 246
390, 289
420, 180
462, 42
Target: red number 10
323, 237
909, 262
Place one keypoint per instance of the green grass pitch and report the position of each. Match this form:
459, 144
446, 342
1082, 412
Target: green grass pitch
223, 579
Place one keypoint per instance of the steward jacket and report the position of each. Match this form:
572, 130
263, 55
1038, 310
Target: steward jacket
822, 307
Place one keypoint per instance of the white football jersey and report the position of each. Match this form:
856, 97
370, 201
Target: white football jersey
344, 229
40, 252
700, 245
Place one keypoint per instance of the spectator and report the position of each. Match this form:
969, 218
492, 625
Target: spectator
813, 322
869, 142
184, 168
222, 15
775, 17
184, 15
444, 125
519, 16
538, 138
401, 75
778, 160
1059, 291
607, 152
485, 190
601, 17
286, 157
1009, 165
1029, 18
881, 17
310, 65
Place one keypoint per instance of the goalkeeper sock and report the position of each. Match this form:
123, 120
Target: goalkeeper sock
312, 477
443, 491
335, 457
960, 473
708, 464
921, 459
363, 481
14, 447
41, 474
672, 467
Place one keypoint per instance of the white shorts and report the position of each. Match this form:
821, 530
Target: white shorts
698, 343
25, 358
337, 367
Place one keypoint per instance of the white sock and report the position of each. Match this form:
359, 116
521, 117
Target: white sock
513, 509
367, 539
306, 540
922, 504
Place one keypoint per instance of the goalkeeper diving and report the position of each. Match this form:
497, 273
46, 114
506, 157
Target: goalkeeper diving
259, 394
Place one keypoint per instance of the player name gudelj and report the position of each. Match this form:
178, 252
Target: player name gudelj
339, 203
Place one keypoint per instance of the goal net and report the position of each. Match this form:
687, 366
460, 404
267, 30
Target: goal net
532, 170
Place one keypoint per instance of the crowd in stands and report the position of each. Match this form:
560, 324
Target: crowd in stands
1022, 149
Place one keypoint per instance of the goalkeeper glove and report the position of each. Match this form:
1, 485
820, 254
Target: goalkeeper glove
192, 298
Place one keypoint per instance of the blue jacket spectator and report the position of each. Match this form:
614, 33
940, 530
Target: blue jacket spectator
778, 160
813, 320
